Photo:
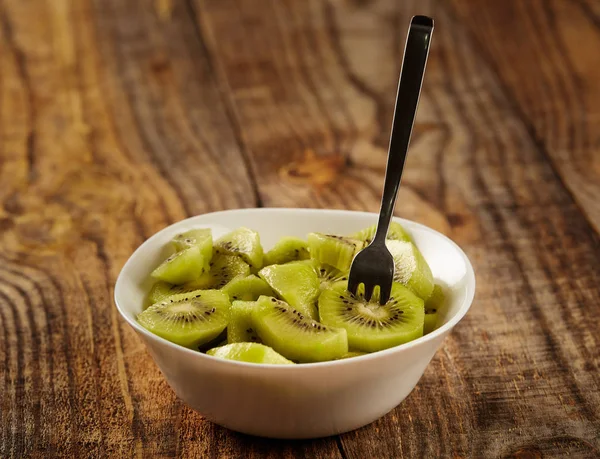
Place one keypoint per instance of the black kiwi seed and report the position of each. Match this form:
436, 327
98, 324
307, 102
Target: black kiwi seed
273, 300
234, 297
341, 297
430, 311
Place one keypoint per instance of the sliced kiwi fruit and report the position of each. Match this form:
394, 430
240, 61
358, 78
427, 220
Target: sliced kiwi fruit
244, 243
181, 267
411, 269
196, 237
326, 274
241, 328
159, 291
296, 283
395, 232
432, 307
336, 251
223, 269
294, 335
201, 237
188, 321
372, 327
287, 249
247, 288
249, 352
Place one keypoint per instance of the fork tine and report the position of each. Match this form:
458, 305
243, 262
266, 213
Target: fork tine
384, 293
385, 290
353, 283
369, 290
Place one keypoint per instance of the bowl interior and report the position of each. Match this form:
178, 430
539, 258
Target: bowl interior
449, 264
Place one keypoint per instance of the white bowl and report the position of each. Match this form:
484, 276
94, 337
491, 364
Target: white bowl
305, 400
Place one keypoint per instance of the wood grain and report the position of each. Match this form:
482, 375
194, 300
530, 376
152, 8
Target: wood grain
548, 66
119, 118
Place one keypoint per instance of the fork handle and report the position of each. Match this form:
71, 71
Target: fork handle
407, 100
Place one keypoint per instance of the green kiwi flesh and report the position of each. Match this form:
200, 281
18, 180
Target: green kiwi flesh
159, 291
244, 243
188, 321
241, 328
247, 288
196, 237
223, 269
327, 275
395, 232
287, 249
411, 269
336, 251
295, 336
370, 326
249, 352
432, 307
296, 283
181, 267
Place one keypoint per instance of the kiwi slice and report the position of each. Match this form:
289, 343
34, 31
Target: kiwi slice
181, 267
287, 249
243, 242
327, 275
159, 292
395, 232
249, 352
247, 288
432, 307
201, 237
223, 269
241, 328
196, 237
336, 251
372, 327
411, 269
188, 321
296, 283
294, 335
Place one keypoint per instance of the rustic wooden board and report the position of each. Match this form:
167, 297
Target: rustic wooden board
119, 118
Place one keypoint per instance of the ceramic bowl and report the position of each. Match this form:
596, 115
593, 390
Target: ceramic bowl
304, 400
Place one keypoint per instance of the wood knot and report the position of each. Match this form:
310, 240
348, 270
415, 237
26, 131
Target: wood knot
160, 64
314, 170
455, 220
527, 453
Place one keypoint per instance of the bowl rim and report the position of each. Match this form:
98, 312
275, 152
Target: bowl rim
447, 327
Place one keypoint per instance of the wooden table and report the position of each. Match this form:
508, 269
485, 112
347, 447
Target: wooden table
120, 117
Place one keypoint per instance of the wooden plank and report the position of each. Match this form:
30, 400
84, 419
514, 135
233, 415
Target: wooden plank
520, 374
111, 127
549, 66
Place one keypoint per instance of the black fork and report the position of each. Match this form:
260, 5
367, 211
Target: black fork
374, 265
